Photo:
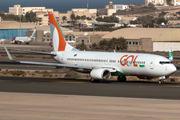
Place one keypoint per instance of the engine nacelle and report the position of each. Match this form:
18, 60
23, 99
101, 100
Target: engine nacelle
100, 73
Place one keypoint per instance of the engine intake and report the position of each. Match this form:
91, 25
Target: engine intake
100, 73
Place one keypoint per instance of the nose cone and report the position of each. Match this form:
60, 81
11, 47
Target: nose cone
172, 69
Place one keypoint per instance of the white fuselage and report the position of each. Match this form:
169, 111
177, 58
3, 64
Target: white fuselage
24, 39
130, 64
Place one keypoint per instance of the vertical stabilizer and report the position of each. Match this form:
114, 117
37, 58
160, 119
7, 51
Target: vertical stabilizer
58, 41
170, 54
34, 32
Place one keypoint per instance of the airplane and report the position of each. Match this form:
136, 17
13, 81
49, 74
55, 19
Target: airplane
103, 65
27, 40
2, 40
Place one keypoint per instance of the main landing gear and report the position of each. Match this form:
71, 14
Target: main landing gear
161, 81
121, 78
94, 81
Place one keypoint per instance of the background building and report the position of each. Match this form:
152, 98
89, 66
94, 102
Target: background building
43, 16
175, 2
75, 38
148, 39
116, 6
18, 10
155, 2
91, 13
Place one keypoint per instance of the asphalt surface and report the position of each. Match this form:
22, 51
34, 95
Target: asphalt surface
132, 89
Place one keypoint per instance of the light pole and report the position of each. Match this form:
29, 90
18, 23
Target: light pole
20, 25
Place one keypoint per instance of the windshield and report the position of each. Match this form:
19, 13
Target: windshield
165, 62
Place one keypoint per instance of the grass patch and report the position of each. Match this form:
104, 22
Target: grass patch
4, 55
18, 73
72, 75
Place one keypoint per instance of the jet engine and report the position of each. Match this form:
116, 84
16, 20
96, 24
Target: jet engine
100, 73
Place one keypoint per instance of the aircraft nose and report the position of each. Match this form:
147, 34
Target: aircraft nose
172, 69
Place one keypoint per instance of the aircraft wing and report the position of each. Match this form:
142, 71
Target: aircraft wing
43, 53
56, 64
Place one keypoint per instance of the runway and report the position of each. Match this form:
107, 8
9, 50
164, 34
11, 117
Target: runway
131, 89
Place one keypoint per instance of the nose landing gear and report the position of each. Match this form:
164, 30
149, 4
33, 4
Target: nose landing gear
161, 79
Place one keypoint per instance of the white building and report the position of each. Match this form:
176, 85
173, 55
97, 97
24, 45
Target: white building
155, 2
116, 6
121, 7
18, 10
175, 2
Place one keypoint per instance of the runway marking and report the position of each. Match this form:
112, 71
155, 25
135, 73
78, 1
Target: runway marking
173, 86
68, 82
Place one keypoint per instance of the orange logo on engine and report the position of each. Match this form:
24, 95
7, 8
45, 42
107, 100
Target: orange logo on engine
124, 60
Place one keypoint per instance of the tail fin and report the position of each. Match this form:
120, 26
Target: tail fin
58, 40
34, 32
170, 54
86, 33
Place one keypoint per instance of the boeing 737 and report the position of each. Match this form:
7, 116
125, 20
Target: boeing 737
27, 40
102, 65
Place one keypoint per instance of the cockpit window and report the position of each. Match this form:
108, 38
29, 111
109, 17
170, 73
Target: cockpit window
165, 62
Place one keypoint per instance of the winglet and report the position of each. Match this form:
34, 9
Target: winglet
170, 54
8, 54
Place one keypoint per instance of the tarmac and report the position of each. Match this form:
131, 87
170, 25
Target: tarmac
28, 106
79, 99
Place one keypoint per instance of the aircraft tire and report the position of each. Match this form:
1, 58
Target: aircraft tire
121, 79
94, 81
161, 81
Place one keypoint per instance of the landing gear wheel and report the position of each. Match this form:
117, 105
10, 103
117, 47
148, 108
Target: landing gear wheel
94, 81
161, 81
27, 43
121, 79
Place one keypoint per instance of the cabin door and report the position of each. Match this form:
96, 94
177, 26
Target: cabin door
152, 63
